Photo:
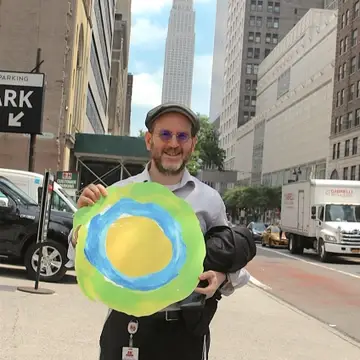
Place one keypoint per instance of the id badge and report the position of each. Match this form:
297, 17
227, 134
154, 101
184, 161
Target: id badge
130, 353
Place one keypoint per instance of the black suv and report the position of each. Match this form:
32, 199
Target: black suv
19, 218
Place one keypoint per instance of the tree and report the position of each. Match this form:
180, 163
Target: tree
141, 133
207, 151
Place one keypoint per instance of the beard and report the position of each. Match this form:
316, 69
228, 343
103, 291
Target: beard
169, 169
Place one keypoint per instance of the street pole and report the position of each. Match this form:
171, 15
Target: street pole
32, 144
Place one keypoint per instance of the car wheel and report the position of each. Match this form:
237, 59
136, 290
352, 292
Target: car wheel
53, 261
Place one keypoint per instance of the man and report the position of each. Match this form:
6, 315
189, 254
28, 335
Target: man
171, 139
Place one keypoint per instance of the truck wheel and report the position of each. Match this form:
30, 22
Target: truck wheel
323, 254
294, 246
53, 261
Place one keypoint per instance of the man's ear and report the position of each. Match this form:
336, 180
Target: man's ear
194, 142
147, 138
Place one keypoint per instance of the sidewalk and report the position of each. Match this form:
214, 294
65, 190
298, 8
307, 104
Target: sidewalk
250, 325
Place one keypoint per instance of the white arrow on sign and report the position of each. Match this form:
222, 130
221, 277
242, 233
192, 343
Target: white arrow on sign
14, 121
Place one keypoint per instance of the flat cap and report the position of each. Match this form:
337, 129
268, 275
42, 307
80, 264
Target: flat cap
156, 112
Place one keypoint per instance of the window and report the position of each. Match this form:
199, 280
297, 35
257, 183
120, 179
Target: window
336, 125
358, 89
246, 116
254, 84
344, 70
347, 148
354, 36
342, 21
270, 7
353, 65
351, 92
257, 53
350, 120
248, 68
269, 22
256, 69
345, 173
347, 17
251, 37
258, 38
247, 100
353, 173
341, 45
340, 123
334, 152
275, 38
339, 73
260, 6
346, 43
276, 23
342, 96
252, 21
253, 5
267, 52
277, 7
357, 117
250, 52
259, 21
248, 84
253, 101
252, 114
268, 40
354, 146
338, 150
338, 99
356, 9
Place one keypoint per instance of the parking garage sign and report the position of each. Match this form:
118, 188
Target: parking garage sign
21, 102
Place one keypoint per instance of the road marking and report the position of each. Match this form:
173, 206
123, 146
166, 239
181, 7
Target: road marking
312, 263
258, 283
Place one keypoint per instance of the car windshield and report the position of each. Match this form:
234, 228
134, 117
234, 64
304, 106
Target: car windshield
259, 227
22, 196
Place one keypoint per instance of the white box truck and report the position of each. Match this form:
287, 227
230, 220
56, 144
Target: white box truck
323, 215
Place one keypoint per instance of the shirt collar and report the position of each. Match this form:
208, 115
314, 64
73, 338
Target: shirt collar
186, 179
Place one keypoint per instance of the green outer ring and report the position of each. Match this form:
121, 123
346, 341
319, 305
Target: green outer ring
138, 303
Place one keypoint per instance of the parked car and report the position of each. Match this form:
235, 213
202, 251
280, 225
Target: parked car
271, 237
257, 229
19, 219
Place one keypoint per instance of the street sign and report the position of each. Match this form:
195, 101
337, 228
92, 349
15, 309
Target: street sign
67, 179
21, 102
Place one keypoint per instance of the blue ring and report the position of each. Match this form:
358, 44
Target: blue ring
95, 246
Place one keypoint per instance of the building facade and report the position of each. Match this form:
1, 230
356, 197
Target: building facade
295, 93
62, 30
217, 78
254, 28
179, 53
119, 123
344, 155
97, 102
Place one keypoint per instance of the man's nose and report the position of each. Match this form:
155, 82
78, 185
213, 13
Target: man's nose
174, 142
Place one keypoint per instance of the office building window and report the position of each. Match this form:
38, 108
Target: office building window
252, 21
347, 17
350, 120
354, 146
270, 7
341, 45
276, 23
250, 53
352, 64
260, 5
247, 100
249, 69
269, 22
253, 5
253, 101
259, 21
257, 53
338, 150
345, 173
353, 173
354, 36
358, 89
251, 37
267, 52
347, 148
356, 9
334, 152
258, 38
256, 68
268, 40
275, 38
247, 84
246, 116
357, 117
336, 125
340, 123
277, 7
346, 43
351, 94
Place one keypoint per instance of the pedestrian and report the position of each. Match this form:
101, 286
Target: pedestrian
171, 140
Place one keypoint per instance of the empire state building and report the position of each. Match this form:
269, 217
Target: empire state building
179, 54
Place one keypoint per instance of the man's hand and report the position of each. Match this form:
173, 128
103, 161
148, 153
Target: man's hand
214, 279
75, 235
91, 195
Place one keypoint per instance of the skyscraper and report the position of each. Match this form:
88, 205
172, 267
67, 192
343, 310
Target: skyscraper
254, 28
179, 53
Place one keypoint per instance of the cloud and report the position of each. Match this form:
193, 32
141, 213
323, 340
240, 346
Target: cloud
147, 89
146, 33
153, 6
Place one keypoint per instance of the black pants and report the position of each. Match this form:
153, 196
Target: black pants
156, 338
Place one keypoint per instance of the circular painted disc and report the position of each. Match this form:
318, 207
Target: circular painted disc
139, 250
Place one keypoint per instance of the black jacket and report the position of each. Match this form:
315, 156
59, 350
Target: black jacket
228, 249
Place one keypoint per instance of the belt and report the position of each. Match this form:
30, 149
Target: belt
168, 315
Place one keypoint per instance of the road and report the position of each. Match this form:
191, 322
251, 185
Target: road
328, 292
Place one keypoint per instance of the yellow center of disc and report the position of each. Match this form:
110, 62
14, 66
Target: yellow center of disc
136, 246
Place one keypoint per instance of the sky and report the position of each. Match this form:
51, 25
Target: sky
147, 51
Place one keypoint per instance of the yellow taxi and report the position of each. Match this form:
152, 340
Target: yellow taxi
271, 237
